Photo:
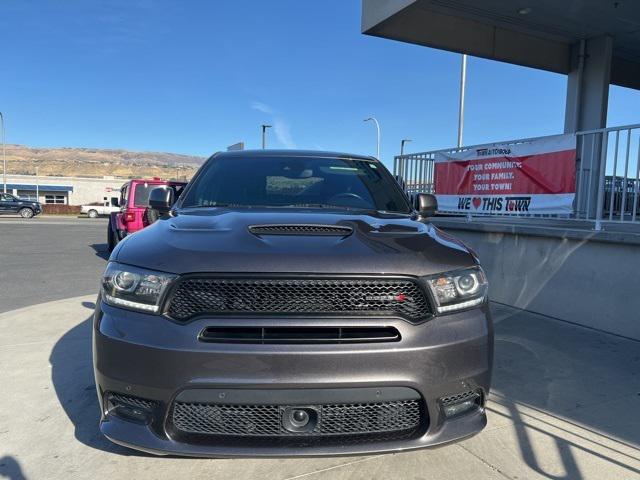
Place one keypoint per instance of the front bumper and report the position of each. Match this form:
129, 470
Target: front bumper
153, 358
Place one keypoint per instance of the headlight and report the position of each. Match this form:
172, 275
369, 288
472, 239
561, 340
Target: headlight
459, 289
134, 288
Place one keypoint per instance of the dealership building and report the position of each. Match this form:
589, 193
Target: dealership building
64, 190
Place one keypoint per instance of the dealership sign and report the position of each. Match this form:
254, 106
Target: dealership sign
532, 177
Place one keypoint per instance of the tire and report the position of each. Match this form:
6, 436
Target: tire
26, 212
92, 214
151, 215
112, 241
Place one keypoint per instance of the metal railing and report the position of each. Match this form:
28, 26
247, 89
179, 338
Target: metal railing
416, 170
606, 191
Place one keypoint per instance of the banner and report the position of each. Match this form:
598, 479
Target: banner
532, 177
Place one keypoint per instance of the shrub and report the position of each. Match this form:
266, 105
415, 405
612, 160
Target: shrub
52, 209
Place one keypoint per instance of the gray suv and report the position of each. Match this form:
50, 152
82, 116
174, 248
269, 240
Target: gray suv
291, 303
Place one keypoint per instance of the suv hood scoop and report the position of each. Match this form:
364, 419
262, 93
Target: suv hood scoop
306, 229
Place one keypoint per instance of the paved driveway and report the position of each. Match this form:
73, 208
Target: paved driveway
49, 258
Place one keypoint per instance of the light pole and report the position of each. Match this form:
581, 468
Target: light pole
378, 135
264, 135
405, 140
4, 157
463, 84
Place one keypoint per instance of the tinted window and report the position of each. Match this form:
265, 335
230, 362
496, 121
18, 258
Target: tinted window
142, 191
124, 194
296, 181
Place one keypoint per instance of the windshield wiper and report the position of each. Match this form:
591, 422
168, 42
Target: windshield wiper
290, 205
216, 205
321, 205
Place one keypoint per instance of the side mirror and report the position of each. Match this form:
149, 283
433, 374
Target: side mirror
161, 199
427, 204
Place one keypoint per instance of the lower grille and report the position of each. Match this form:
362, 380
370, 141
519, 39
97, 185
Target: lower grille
394, 417
383, 296
461, 397
119, 398
299, 335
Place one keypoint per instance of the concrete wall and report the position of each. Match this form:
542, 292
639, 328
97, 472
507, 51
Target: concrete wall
589, 281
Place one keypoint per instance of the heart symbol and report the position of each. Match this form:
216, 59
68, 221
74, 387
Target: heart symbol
476, 202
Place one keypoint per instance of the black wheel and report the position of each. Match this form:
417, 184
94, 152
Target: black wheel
92, 214
26, 213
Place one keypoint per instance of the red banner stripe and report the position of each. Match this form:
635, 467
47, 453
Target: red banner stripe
546, 173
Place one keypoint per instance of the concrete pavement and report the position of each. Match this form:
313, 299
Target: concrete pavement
565, 406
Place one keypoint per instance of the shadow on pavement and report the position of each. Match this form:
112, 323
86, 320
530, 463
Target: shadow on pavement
72, 377
569, 373
101, 250
10, 469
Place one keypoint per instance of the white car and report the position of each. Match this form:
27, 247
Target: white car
93, 211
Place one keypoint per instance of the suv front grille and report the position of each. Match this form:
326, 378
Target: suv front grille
397, 297
403, 416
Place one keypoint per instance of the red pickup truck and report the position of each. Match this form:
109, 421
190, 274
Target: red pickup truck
134, 202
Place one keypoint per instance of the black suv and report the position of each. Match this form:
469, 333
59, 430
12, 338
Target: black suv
291, 303
25, 208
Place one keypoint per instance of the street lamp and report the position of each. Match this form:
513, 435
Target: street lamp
463, 84
264, 135
405, 140
4, 157
378, 135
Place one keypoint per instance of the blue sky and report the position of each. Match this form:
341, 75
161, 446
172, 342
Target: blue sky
195, 76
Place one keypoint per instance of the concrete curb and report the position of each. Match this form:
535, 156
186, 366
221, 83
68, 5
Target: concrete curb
37, 306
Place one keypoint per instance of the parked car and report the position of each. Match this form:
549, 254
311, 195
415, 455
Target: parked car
134, 202
291, 303
105, 208
25, 208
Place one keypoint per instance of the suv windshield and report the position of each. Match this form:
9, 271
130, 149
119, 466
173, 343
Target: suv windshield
296, 182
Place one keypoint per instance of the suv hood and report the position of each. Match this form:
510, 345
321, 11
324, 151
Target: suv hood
219, 240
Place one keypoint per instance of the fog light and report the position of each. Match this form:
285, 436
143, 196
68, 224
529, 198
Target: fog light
461, 403
136, 414
130, 408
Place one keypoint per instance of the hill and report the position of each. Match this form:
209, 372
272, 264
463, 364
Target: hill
93, 162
